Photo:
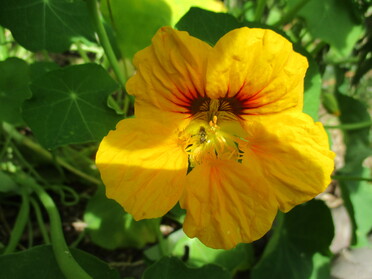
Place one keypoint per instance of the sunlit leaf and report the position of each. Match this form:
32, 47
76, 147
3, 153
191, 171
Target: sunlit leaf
135, 22
109, 226
46, 24
39, 263
14, 79
69, 106
170, 268
332, 21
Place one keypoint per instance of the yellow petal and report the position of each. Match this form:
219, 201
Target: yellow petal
293, 152
170, 72
259, 68
226, 204
143, 166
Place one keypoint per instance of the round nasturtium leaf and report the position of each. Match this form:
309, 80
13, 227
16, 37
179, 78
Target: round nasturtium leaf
14, 80
46, 24
69, 106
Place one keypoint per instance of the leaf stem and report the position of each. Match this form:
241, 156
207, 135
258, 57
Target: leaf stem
105, 42
82, 52
291, 13
259, 10
351, 126
40, 221
355, 178
69, 267
3, 48
162, 244
20, 223
21, 139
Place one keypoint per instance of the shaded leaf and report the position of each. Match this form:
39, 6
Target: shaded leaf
110, 227
14, 79
170, 268
207, 26
304, 231
46, 25
69, 106
39, 263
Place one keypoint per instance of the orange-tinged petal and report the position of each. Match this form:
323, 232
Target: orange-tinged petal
170, 72
144, 166
259, 68
293, 152
226, 204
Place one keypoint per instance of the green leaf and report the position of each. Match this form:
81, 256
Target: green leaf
301, 233
69, 106
312, 87
239, 258
14, 79
170, 268
110, 227
39, 263
207, 26
38, 69
360, 193
135, 22
331, 21
47, 24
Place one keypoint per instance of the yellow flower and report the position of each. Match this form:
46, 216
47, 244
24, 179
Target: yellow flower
219, 129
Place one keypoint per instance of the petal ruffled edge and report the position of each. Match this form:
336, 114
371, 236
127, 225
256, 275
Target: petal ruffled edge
293, 153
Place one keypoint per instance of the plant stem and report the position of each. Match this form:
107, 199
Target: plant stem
69, 267
355, 178
40, 221
82, 52
161, 242
105, 42
259, 10
20, 223
351, 126
21, 139
291, 13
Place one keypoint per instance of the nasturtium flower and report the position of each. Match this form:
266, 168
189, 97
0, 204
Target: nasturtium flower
219, 130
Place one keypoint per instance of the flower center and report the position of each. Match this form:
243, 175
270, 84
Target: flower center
205, 137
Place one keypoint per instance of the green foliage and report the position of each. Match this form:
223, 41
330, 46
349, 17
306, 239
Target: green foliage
76, 112
46, 25
197, 254
170, 267
57, 88
332, 21
39, 263
301, 233
106, 217
14, 89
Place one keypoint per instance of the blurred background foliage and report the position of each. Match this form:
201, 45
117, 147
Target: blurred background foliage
55, 221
